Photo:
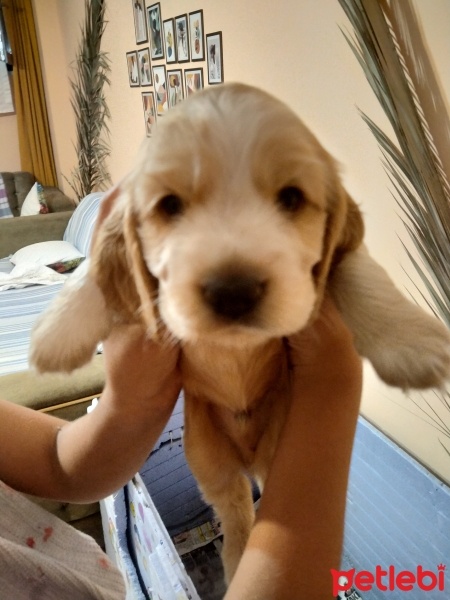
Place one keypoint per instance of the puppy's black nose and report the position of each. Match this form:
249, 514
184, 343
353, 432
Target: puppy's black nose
233, 296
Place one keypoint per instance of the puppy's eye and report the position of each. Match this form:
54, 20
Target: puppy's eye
171, 205
290, 199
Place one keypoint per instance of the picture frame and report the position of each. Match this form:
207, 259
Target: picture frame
214, 57
193, 81
144, 67
175, 87
196, 35
132, 68
182, 38
155, 33
169, 41
160, 87
148, 105
140, 21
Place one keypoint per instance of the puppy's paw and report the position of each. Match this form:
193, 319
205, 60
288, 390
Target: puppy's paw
415, 354
407, 347
58, 346
66, 335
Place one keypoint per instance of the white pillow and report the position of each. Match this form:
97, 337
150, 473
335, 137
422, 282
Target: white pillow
46, 253
34, 203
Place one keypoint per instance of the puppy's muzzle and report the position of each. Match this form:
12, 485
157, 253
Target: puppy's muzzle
233, 296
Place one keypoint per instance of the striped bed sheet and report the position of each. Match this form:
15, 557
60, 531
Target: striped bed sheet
18, 311
19, 308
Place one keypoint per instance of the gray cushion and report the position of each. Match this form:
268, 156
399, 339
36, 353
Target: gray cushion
19, 183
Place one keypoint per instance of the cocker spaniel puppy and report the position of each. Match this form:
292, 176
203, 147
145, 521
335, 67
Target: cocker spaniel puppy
226, 235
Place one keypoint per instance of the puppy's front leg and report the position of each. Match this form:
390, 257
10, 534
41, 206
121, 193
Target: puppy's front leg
407, 347
66, 335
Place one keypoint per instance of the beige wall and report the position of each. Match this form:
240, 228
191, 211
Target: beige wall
296, 51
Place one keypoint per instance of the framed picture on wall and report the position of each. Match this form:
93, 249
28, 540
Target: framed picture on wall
140, 25
132, 66
196, 35
169, 41
193, 81
214, 57
182, 38
160, 85
155, 30
144, 67
148, 104
174, 87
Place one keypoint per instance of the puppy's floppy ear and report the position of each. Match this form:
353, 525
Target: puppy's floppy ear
344, 233
119, 269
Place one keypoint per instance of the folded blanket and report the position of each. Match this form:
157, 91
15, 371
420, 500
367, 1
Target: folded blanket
27, 274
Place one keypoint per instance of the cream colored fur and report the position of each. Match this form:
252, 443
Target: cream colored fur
207, 204
408, 348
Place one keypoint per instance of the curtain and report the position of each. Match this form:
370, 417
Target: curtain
35, 145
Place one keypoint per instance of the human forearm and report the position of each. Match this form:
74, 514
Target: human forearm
86, 459
297, 536
298, 532
100, 452
80, 461
299, 529
28, 447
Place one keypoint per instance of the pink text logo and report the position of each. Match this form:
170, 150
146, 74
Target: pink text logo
389, 579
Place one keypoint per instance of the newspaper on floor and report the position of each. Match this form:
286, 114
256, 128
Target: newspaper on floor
200, 536
197, 537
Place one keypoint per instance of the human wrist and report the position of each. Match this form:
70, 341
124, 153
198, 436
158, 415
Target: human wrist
128, 400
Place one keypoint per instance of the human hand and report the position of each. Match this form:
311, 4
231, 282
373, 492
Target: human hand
102, 450
323, 357
140, 371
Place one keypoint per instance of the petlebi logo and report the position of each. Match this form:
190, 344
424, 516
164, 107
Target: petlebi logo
347, 584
